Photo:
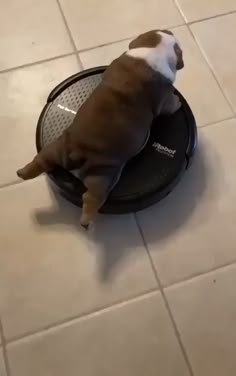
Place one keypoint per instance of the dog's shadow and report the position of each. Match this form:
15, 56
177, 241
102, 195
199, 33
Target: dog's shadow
116, 236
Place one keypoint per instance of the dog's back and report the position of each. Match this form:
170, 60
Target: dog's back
115, 120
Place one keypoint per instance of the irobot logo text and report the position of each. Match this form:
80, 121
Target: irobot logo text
164, 149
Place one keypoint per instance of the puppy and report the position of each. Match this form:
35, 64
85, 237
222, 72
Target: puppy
114, 123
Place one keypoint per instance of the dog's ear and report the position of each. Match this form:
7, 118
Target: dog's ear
167, 32
149, 39
133, 43
179, 54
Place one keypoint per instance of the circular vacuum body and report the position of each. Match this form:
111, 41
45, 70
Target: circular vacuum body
149, 176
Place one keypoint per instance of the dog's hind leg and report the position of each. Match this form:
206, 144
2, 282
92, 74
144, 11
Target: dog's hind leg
98, 189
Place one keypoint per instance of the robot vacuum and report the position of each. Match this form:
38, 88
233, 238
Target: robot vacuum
149, 176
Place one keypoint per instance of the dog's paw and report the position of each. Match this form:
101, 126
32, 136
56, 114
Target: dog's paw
85, 226
88, 228
177, 104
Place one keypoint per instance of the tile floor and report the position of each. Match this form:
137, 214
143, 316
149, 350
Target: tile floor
151, 294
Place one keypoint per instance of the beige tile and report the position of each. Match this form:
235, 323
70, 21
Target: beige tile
193, 230
220, 54
195, 81
22, 97
134, 339
2, 366
51, 270
103, 55
205, 311
31, 30
197, 9
94, 22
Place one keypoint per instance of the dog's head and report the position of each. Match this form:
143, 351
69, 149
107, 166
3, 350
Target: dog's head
164, 43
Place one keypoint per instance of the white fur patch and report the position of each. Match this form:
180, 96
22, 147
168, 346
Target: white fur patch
161, 58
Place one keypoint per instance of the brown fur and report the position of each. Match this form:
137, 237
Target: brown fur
150, 39
109, 128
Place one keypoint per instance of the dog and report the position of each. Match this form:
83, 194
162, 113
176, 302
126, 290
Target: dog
113, 124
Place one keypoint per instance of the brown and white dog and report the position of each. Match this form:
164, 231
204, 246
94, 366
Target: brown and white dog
114, 123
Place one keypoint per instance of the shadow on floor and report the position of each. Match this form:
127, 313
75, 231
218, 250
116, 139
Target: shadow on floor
116, 241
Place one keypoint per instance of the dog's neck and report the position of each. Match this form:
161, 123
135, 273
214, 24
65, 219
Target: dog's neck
161, 58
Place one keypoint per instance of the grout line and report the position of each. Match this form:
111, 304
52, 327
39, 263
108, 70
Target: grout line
37, 62
105, 44
80, 317
76, 52
201, 274
4, 350
216, 122
69, 34
11, 184
116, 41
180, 11
82, 67
177, 333
212, 71
203, 18
211, 17
188, 24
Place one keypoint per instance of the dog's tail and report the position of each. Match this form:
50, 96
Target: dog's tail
46, 160
33, 169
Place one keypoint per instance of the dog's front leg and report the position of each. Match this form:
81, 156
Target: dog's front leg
171, 105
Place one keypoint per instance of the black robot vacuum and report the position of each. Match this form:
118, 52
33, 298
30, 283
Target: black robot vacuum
149, 176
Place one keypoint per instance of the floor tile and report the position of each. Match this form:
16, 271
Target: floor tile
2, 366
208, 105
205, 311
52, 270
103, 55
197, 83
94, 23
221, 55
31, 30
131, 340
193, 230
22, 97
197, 9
